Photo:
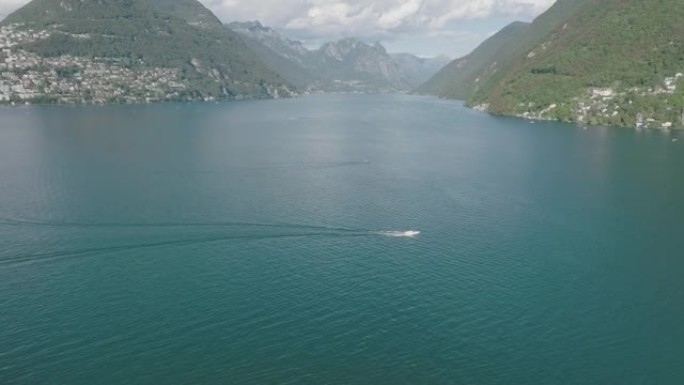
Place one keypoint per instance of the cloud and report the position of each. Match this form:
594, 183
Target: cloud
395, 17
320, 20
372, 17
379, 15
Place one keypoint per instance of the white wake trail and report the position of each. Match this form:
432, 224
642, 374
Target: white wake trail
400, 234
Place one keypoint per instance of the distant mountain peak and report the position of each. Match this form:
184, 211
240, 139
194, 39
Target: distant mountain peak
253, 25
192, 11
340, 50
269, 37
348, 64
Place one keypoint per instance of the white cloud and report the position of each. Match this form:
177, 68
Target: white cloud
395, 17
317, 20
319, 17
373, 17
379, 14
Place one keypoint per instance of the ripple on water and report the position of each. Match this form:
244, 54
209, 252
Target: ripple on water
235, 244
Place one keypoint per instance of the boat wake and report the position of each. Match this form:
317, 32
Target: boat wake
213, 231
324, 230
400, 234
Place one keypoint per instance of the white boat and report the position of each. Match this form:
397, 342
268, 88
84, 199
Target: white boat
404, 234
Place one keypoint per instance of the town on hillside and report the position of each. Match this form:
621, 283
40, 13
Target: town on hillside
26, 78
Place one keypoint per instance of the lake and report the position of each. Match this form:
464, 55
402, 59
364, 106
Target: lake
264, 242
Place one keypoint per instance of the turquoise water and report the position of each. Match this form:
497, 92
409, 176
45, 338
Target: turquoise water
246, 243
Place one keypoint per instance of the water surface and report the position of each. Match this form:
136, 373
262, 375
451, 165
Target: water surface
247, 243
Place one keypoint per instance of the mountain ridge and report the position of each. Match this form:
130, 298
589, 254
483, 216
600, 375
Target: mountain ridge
347, 64
181, 41
460, 78
599, 62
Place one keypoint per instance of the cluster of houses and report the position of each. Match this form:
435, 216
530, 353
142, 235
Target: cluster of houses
603, 103
29, 78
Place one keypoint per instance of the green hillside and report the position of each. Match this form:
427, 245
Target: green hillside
626, 48
191, 11
178, 34
595, 61
481, 70
459, 79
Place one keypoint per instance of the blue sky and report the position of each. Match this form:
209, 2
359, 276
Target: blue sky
422, 27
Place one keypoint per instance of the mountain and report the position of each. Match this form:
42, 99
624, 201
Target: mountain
613, 62
354, 62
191, 11
480, 70
177, 45
345, 65
416, 69
289, 58
460, 78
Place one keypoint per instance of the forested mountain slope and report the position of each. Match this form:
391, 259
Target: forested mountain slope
180, 36
617, 62
459, 79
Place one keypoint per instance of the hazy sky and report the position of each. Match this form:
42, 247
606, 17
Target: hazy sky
422, 27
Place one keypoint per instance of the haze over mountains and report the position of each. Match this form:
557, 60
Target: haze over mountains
344, 65
616, 62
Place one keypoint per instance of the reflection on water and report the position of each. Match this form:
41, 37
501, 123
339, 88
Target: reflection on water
343, 239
